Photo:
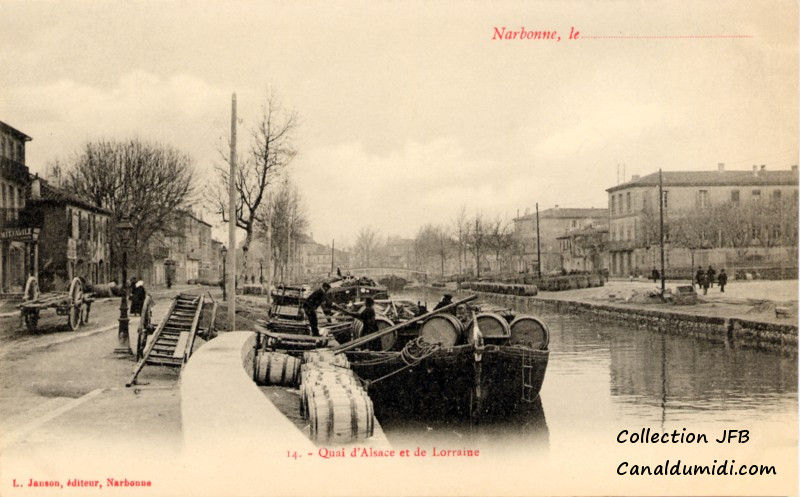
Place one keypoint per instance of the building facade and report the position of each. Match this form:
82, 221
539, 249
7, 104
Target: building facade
73, 236
584, 249
186, 251
17, 242
697, 229
553, 223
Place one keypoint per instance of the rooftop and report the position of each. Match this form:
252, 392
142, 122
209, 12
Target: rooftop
755, 177
14, 131
567, 213
53, 194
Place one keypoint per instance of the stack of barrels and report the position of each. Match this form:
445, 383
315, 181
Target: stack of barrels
332, 399
502, 288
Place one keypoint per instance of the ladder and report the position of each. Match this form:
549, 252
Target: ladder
172, 342
527, 378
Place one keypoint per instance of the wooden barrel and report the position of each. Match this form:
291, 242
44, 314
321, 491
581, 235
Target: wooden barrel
274, 368
329, 378
444, 329
325, 356
340, 415
385, 342
493, 327
529, 332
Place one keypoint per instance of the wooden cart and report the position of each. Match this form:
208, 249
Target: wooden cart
74, 303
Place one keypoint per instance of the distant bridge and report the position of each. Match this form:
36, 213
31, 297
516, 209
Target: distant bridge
385, 271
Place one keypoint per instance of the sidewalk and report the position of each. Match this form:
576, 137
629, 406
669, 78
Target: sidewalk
61, 389
748, 300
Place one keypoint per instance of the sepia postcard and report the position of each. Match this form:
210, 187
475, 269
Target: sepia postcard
352, 248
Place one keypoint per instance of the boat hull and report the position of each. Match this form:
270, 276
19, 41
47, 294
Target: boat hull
460, 380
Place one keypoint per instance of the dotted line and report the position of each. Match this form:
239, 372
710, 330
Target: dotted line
666, 37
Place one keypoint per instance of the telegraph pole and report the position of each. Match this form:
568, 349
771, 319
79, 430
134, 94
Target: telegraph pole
231, 283
538, 245
661, 215
333, 245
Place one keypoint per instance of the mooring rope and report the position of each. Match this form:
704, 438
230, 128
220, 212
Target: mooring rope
412, 354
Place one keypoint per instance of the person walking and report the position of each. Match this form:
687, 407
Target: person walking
711, 275
655, 275
137, 298
704, 282
699, 277
318, 297
722, 279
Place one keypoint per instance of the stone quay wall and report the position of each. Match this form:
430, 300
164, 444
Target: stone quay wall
727, 331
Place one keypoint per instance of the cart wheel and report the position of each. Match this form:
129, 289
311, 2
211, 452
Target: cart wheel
86, 309
74, 318
31, 320
31, 289
76, 292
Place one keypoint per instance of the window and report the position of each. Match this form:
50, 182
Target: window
702, 198
735, 196
775, 232
776, 195
756, 194
613, 198
574, 223
754, 232
628, 201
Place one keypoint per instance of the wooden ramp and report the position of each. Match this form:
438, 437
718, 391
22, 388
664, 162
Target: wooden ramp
172, 342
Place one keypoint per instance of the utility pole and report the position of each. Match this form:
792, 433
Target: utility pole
269, 258
538, 244
333, 246
661, 214
231, 283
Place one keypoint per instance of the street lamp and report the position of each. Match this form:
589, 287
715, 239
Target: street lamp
124, 228
224, 271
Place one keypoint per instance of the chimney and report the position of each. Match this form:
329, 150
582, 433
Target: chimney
763, 168
556, 206
720, 166
634, 177
794, 168
755, 170
36, 188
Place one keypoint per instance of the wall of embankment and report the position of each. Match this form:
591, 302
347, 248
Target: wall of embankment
728, 331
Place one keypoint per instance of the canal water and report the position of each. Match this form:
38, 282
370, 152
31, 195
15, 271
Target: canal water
603, 377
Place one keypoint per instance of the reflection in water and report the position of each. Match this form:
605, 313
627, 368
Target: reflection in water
526, 427
602, 376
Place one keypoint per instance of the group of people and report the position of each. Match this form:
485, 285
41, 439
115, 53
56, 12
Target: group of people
321, 298
705, 279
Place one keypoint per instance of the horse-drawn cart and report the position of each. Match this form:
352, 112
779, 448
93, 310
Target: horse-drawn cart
74, 303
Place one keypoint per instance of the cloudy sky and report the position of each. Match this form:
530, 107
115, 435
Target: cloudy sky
411, 110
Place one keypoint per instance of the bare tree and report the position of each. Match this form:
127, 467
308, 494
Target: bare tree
500, 240
433, 242
144, 181
366, 244
287, 221
461, 230
477, 240
270, 151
